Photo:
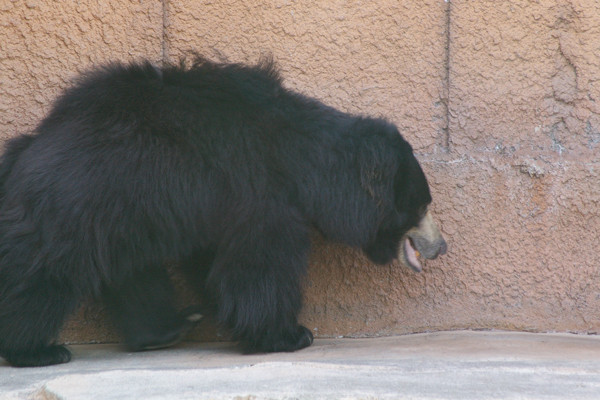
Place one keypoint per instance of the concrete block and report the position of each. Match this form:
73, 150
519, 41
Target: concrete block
524, 78
45, 44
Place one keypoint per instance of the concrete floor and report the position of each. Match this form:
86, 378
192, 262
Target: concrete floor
443, 365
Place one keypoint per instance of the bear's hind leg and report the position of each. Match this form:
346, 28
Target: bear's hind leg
32, 312
143, 311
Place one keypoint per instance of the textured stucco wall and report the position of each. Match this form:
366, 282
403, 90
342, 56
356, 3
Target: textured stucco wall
501, 101
44, 44
521, 183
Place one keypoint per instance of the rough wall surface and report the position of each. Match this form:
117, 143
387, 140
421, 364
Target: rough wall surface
523, 172
501, 101
46, 43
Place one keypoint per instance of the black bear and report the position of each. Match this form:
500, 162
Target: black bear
216, 166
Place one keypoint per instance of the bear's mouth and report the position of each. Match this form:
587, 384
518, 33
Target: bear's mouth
411, 255
424, 240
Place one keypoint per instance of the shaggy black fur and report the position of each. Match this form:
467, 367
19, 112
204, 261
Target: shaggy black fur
217, 166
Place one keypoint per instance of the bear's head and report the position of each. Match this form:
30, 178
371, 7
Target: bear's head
407, 230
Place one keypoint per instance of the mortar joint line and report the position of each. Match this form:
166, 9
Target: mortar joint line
446, 130
164, 42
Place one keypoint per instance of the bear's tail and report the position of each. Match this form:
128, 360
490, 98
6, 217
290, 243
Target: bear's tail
12, 151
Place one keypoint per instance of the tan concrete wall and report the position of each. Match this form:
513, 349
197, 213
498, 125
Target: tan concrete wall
501, 101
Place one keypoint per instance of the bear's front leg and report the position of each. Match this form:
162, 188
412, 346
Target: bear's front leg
292, 340
256, 282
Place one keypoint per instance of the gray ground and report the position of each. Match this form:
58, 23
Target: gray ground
444, 365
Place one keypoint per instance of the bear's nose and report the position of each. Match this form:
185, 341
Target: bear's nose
443, 248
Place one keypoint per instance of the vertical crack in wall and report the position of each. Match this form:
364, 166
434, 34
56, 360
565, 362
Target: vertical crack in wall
446, 84
164, 41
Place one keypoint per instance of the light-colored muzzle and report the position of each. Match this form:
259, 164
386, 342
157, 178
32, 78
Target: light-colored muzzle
424, 240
